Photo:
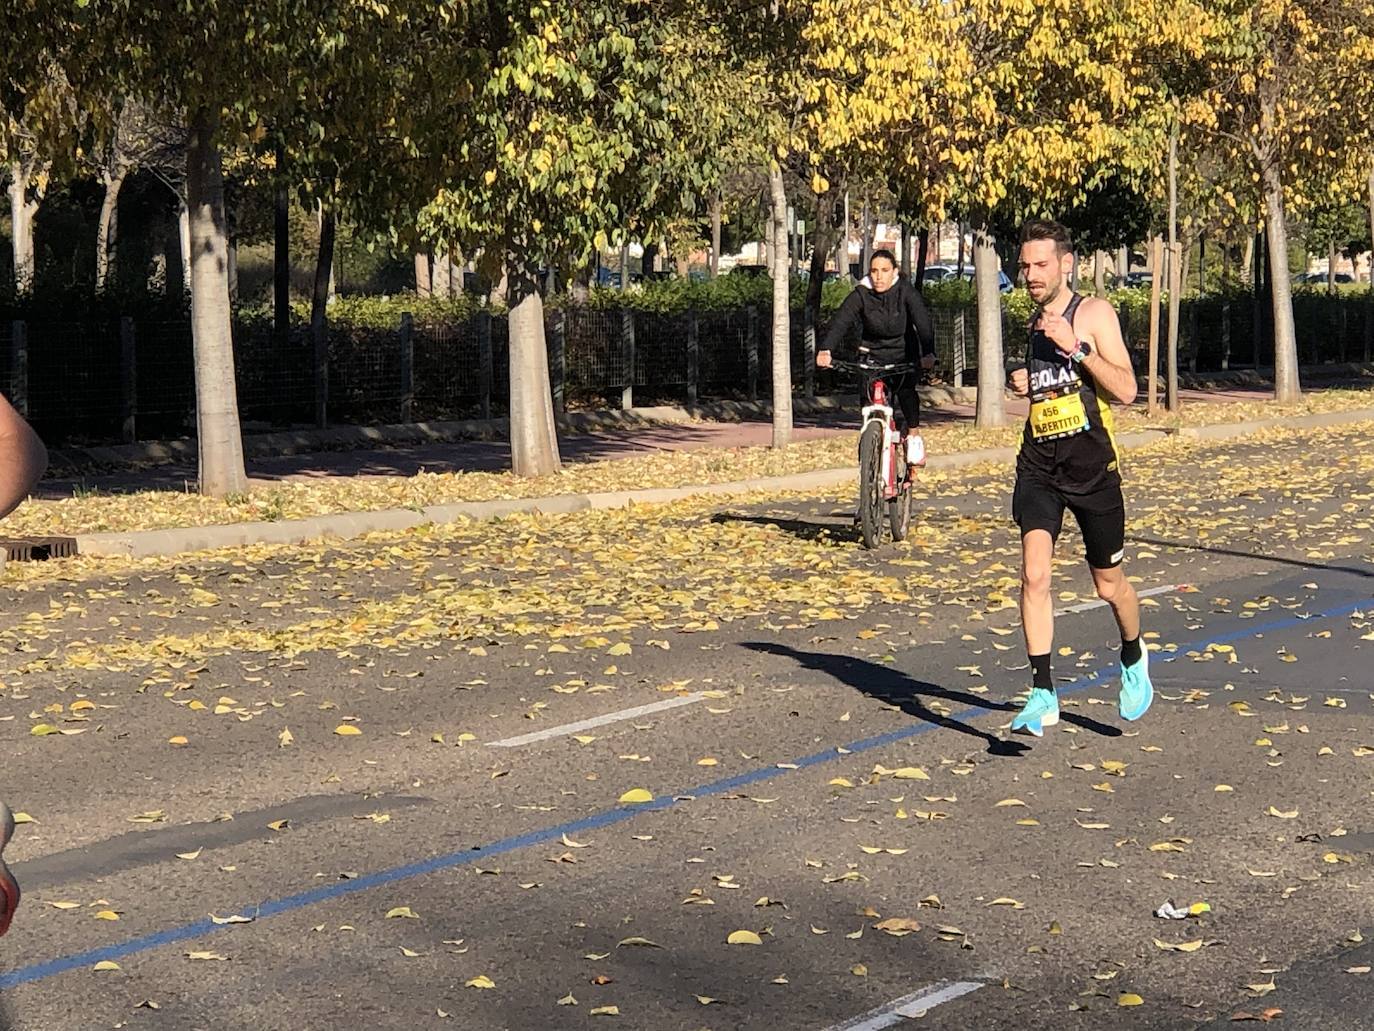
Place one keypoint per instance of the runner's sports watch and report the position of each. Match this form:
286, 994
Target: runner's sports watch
1082, 352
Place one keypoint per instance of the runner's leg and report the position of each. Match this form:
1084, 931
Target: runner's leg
1102, 518
1039, 510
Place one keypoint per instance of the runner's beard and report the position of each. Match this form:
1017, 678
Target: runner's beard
1051, 293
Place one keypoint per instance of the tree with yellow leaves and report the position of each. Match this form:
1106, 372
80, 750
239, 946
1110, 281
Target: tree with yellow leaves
1283, 86
991, 107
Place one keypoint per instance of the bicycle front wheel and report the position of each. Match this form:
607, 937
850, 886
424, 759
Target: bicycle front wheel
871, 444
899, 508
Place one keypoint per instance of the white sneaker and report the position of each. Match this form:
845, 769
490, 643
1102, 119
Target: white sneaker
915, 450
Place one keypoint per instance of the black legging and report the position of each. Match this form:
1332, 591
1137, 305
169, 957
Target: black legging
901, 385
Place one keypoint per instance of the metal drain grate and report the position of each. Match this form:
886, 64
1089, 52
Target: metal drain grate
38, 549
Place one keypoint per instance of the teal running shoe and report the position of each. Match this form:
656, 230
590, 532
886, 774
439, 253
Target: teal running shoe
1040, 711
1136, 690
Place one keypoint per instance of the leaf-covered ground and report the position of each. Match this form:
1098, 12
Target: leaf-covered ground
148, 510
338, 701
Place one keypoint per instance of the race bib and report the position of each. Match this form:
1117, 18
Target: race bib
1055, 417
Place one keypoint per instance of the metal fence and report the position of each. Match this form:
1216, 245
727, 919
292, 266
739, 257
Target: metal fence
117, 380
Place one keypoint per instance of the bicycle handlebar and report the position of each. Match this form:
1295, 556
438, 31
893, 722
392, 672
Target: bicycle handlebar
840, 363
924, 375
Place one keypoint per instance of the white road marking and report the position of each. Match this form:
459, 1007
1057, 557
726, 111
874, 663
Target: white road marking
1100, 603
908, 1006
597, 721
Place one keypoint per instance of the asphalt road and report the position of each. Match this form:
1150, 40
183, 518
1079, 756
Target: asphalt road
821, 731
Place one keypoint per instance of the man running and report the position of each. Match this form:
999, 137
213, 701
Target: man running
1075, 362
22, 461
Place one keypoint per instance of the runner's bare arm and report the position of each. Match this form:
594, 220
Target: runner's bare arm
22, 458
1110, 362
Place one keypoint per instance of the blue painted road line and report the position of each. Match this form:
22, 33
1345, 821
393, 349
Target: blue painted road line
605, 818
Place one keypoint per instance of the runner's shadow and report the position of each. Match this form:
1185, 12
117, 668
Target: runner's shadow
1364, 571
896, 688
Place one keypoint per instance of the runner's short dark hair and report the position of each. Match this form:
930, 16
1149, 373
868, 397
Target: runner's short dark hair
883, 252
1047, 229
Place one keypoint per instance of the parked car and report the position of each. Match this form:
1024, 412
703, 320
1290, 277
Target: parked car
753, 271
1138, 279
940, 273
1320, 277
611, 277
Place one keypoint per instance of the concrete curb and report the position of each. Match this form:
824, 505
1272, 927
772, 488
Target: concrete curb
352, 438
149, 543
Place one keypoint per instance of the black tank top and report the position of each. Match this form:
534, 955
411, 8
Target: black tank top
1068, 439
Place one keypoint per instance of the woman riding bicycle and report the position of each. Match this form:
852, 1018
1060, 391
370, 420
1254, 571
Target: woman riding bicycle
889, 313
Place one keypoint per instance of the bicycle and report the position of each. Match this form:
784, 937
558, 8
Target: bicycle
884, 475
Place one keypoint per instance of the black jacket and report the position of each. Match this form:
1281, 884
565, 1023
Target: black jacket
895, 325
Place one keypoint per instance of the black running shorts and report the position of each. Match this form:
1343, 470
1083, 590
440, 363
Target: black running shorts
1039, 505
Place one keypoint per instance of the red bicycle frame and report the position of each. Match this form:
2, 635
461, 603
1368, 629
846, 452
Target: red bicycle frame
878, 405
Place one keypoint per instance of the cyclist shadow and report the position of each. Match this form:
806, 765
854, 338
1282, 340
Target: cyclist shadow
837, 529
910, 695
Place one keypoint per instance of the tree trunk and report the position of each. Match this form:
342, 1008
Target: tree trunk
319, 312
1371, 232
842, 245
500, 290
1287, 389
1123, 265
1100, 273
441, 278
424, 285
922, 256
962, 231
821, 247
624, 283
992, 373
682, 266
232, 254
649, 261
782, 330
106, 232
324, 264
1152, 354
1247, 262
1369, 311
218, 438
904, 263
866, 248
581, 283
1331, 267
533, 434
281, 254
1171, 397
23, 208
184, 239
715, 235
1175, 278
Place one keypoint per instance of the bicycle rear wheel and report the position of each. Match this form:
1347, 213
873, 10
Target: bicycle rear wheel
899, 508
871, 444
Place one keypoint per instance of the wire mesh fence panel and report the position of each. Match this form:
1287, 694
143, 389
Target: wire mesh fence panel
500, 364
661, 351
74, 380
275, 377
364, 374
448, 371
594, 351
165, 380
723, 339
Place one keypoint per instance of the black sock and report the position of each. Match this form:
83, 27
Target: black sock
1040, 671
1130, 651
